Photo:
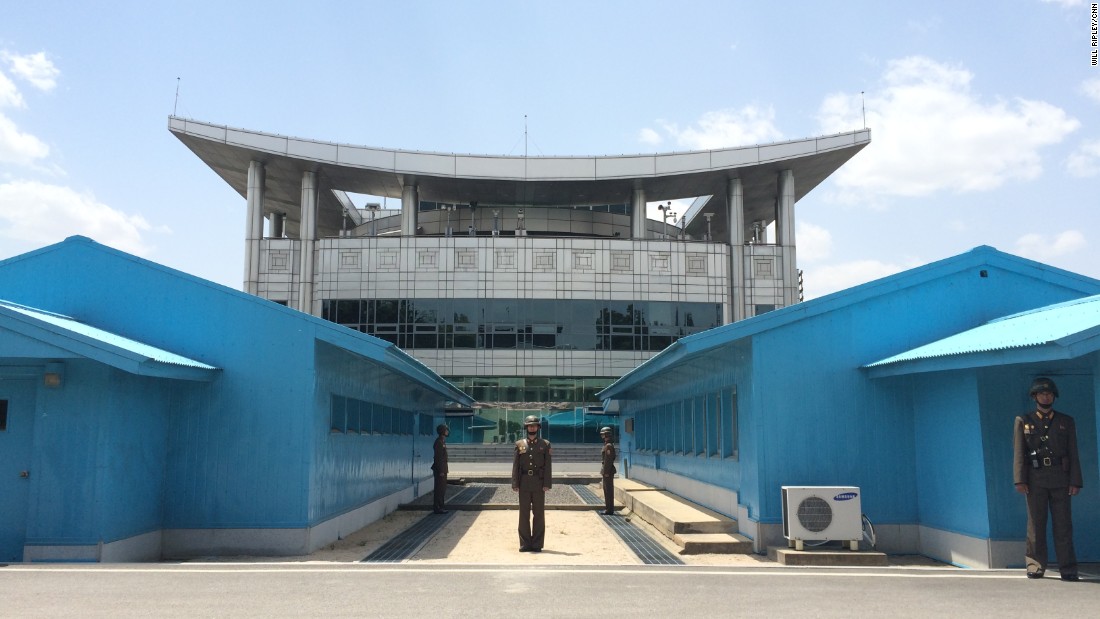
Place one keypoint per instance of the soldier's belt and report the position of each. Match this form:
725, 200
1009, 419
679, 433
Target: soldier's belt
1050, 461
531, 472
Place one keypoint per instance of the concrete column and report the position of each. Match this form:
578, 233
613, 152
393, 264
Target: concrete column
254, 226
638, 215
308, 236
784, 233
410, 203
735, 202
276, 225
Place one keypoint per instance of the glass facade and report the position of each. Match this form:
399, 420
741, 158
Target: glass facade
524, 323
617, 209
568, 408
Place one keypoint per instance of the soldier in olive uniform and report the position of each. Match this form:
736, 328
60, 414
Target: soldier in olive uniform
439, 467
531, 474
607, 471
1047, 471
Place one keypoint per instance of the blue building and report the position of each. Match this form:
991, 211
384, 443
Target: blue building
905, 387
147, 414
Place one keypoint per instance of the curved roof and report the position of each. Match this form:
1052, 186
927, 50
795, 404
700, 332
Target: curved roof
491, 179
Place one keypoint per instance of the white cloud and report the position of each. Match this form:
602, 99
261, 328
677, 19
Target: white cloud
1085, 160
1091, 88
1042, 247
828, 278
726, 128
814, 242
9, 93
649, 136
34, 68
37, 213
19, 147
930, 133
1067, 4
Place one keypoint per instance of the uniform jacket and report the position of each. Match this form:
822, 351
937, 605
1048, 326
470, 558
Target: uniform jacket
607, 460
439, 463
1062, 443
533, 457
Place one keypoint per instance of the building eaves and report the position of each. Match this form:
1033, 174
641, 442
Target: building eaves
115, 350
1063, 331
392, 359
548, 181
976, 259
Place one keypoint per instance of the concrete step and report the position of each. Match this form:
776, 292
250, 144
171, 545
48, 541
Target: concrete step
713, 543
831, 557
692, 527
673, 515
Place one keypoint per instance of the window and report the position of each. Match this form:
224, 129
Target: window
425, 425
338, 415
729, 424
524, 323
699, 424
3, 415
353, 415
713, 412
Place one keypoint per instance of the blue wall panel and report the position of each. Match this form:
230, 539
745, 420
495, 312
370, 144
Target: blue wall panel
352, 469
99, 456
951, 479
18, 389
65, 467
133, 441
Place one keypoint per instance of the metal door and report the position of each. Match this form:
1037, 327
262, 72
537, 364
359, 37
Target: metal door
16, 432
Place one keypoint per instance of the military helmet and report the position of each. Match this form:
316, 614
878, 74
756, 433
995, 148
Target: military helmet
605, 430
441, 428
532, 420
1043, 384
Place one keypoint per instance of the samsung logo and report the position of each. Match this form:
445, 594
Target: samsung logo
845, 496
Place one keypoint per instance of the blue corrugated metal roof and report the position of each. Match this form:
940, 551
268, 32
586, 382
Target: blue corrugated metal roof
700, 343
110, 340
1046, 325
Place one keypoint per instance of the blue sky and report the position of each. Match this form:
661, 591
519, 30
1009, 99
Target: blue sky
985, 116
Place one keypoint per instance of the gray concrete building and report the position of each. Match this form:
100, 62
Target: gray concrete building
529, 282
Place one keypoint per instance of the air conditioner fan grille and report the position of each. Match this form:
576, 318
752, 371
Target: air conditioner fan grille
815, 514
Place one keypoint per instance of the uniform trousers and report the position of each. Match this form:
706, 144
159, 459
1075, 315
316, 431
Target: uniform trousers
609, 494
1057, 502
532, 531
440, 492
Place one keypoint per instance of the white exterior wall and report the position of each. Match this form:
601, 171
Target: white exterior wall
506, 267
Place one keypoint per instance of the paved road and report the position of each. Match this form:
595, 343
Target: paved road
359, 590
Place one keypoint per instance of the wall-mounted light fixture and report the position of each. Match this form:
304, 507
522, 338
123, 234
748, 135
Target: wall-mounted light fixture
54, 374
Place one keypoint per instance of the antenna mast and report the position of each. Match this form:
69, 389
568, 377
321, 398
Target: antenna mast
863, 105
177, 101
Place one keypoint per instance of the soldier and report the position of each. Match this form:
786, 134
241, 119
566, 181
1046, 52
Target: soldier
531, 476
1047, 471
439, 467
607, 471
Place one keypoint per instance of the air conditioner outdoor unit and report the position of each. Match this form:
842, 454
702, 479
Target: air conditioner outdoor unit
822, 513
